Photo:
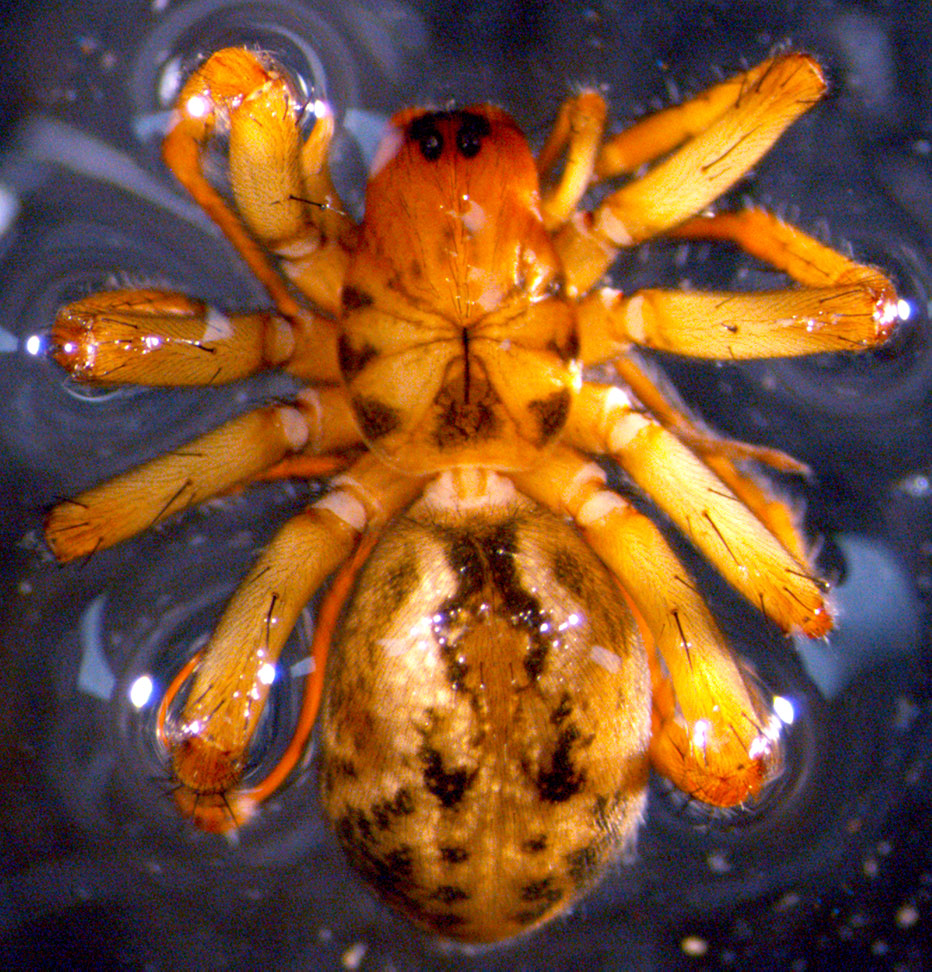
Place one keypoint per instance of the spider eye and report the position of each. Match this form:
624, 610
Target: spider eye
424, 131
471, 133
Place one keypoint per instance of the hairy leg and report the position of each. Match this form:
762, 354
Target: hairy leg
209, 741
712, 141
236, 453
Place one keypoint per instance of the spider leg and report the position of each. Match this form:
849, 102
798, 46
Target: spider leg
841, 306
578, 129
318, 420
747, 554
209, 741
719, 454
712, 734
227, 810
156, 337
283, 192
714, 138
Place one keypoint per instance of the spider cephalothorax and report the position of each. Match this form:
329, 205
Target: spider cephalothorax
522, 642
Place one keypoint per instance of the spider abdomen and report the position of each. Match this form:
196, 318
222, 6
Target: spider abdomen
485, 732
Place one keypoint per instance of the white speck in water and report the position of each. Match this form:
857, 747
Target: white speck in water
34, 345
916, 485
783, 710
353, 956
907, 915
694, 946
141, 691
718, 863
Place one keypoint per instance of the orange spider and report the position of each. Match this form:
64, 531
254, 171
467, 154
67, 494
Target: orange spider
522, 642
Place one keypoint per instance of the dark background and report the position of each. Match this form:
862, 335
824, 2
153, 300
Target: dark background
96, 870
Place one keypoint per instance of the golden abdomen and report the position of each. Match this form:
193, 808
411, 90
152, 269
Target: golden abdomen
486, 723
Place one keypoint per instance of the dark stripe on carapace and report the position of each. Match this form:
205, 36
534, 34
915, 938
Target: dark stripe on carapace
466, 410
551, 413
567, 348
376, 419
352, 359
353, 299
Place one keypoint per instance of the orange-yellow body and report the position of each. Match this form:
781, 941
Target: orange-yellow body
457, 345
522, 642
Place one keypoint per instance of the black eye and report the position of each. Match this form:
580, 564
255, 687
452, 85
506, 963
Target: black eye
471, 133
424, 131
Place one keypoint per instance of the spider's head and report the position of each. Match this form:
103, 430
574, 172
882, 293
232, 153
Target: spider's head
475, 141
457, 192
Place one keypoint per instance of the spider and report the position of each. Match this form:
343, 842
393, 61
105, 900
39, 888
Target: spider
521, 643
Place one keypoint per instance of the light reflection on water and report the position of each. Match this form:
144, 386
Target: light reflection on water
835, 860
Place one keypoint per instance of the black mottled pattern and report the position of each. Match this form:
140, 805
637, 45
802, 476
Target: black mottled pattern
342, 767
563, 710
529, 917
569, 573
464, 417
561, 780
454, 855
542, 890
584, 865
477, 557
399, 580
551, 413
448, 786
391, 871
353, 299
376, 419
386, 812
448, 893
352, 360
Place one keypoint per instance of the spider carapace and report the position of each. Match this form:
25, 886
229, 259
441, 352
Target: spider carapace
458, 347
521, 644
